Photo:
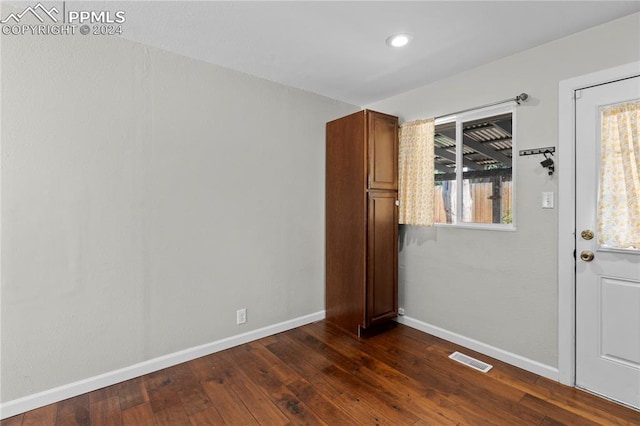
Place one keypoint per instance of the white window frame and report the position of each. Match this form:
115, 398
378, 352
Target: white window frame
507, 108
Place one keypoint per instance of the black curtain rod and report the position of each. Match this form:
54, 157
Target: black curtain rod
520, 98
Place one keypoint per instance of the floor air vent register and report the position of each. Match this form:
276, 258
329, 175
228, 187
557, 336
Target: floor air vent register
471, 362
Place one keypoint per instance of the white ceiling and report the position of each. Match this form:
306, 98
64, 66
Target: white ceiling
338, 49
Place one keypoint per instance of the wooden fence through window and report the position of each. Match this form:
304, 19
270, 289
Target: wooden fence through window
482, 211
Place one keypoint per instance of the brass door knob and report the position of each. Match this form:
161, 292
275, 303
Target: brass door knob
587, 255
587, 234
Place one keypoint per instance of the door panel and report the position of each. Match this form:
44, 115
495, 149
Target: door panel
620, 296
607, 278
383, 151
382, 279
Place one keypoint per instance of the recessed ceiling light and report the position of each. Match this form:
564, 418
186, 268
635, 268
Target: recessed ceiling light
398, 40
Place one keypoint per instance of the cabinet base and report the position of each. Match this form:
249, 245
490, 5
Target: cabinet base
373, 330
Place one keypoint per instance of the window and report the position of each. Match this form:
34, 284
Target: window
474, 169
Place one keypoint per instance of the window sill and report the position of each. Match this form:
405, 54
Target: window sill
478, 226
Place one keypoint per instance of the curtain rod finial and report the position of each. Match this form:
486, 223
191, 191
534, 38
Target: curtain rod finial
522, 97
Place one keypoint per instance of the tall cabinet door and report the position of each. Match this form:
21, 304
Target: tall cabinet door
383, 151
382, 253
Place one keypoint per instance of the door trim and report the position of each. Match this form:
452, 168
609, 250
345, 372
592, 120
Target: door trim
566, 211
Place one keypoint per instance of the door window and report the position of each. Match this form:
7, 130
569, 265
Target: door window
619, 195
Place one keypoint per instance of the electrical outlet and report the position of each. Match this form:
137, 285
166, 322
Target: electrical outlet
241, 316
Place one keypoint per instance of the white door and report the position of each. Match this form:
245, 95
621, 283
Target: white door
607, 265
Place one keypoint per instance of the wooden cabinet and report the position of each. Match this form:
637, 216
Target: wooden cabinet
362, 220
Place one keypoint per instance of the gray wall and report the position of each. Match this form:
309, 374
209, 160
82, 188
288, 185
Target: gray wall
145, 198
500, 288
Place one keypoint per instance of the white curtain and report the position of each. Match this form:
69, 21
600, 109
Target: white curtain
415, 172
619, 200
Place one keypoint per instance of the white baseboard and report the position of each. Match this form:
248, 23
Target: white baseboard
497, 353
50, 396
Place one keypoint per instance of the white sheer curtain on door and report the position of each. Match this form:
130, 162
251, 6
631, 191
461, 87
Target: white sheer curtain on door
619, 198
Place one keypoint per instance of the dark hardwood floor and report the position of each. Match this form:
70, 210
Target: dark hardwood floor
317, 374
